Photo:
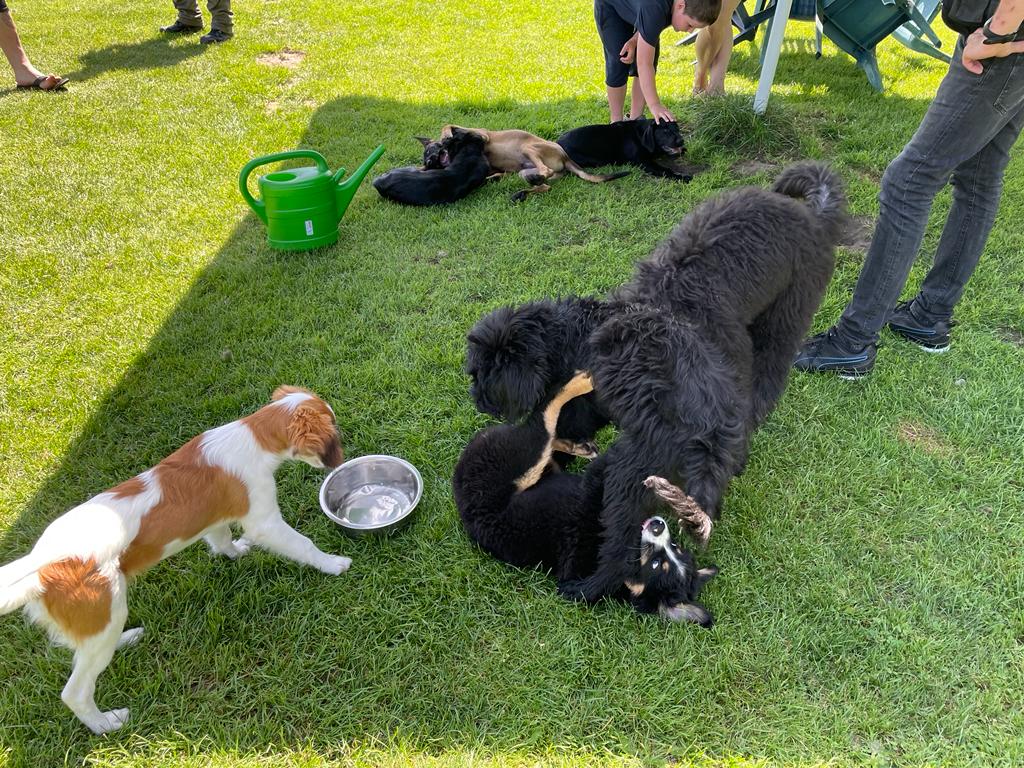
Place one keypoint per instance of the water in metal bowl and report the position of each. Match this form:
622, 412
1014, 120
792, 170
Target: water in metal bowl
371, 494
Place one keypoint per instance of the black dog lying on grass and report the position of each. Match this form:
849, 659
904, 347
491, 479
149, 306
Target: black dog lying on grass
634, 142
517, 506
688, 358
464, 169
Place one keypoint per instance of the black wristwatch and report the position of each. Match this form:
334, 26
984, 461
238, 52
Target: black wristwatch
991, 38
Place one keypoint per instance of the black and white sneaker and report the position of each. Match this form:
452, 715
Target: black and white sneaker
828, 352
909, 322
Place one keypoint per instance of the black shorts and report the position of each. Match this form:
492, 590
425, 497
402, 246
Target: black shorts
615, 33
3, 6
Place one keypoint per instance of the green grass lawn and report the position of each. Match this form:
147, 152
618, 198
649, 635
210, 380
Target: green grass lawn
869, 609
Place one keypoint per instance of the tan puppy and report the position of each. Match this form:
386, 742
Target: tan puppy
74, 581
536, 160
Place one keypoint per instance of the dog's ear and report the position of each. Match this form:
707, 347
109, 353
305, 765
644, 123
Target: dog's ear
645, 134
424, 140
507, 356
635, 588
287, 389
312, 432
694, 612
704, 575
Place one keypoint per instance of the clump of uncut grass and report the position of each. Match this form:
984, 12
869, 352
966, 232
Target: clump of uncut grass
729, 121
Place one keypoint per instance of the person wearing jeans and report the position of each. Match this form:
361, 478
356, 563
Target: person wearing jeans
190, 20
965, 140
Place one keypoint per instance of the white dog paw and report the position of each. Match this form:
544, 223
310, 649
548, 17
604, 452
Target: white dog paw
239, 547
109, 721
335, 564
130, 637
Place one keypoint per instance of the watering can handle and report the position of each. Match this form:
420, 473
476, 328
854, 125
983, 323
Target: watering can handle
243, 177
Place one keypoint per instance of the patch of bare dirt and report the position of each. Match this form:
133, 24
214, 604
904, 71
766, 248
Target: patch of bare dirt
858, 235
754, 167
923, 437
1012, 335
286, 57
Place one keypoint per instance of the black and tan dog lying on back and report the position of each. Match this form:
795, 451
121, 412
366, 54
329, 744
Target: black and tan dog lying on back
536, 160
518, 506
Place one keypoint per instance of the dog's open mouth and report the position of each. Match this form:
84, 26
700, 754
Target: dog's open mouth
655, 525
673, 151
443, 159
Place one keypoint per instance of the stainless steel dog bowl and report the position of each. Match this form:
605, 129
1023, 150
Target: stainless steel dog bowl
371, 494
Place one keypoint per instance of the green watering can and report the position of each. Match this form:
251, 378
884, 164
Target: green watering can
302, 206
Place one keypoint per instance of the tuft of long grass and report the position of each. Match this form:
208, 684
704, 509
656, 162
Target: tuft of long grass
728, 120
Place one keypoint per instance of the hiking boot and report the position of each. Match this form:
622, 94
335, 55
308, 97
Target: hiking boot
177, 28
828, 352
215, 36
908, 321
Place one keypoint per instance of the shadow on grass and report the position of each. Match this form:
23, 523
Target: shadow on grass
154, 53
414, 644
836, 72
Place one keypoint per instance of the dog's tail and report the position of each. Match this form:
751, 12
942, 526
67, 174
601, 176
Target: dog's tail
596, 178
823, 191
19, 583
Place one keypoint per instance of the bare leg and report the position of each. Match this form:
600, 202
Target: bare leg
24, 72
638, 102
616, 101
714, 49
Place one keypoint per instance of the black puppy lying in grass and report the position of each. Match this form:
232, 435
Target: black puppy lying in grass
464, 170
635, 142
517, 506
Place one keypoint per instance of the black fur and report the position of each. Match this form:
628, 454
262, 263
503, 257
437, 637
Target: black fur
556, 524
465, 169
635, 142
688, 358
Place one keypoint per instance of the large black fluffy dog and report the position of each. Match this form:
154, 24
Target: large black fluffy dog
635, 142
464, 170
518, 507
687, 358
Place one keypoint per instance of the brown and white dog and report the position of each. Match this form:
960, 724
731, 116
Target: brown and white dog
74, 581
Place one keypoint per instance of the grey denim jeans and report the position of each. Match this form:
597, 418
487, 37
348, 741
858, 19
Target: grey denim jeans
221, 16
964, 139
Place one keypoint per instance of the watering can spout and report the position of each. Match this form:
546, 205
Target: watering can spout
347, 189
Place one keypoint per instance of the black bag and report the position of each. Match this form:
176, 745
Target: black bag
965, 16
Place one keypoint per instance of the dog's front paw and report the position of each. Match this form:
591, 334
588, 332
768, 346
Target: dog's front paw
572, 590
108, 721
519, 196
239, 547
130, 637
336, 564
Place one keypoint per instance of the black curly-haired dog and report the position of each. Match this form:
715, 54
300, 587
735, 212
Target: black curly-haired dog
642, 142
688, 358
517, 506
465, 169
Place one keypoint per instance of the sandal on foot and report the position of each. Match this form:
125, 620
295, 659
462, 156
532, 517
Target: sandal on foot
37, 84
